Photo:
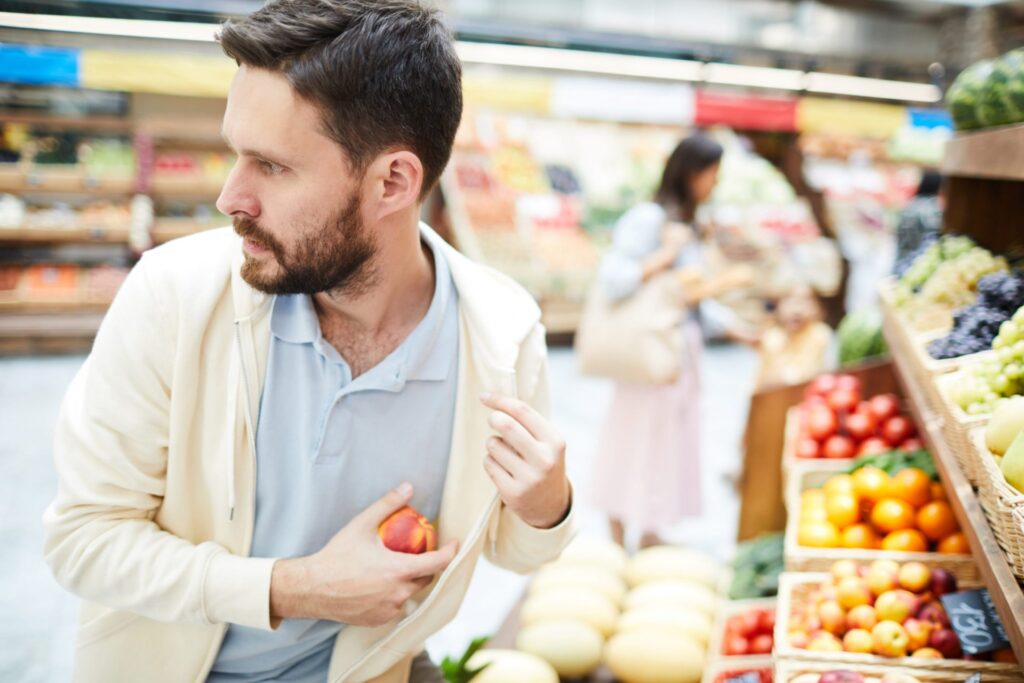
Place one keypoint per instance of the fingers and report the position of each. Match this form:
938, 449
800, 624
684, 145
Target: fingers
430, 564
509, 460
522, 413
387, 505
499, 475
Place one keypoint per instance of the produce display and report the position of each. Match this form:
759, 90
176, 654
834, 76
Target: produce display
1003, 436
847, 676
761, 675
836, 423
980, 384
749, 633
942, 279
859, 335
975, 326
756, 568
885, 608
647, 618
989, 93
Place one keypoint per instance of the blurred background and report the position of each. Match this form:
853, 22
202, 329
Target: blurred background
830, 113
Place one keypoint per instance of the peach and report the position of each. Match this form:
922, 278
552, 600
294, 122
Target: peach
919, 632
883, 576
842, 569
896, 605
889, 639
927, 653
862, 616
799, 639
407, 531
853, 591
915, 577
858, 640
825, 642
833, 617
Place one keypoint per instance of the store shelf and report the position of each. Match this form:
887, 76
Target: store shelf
997, 154
1006, 592
33, 306
186, 186
76, 235
61, 180
64, 332
167, 229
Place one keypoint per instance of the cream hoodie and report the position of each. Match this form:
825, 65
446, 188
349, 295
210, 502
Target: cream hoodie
152, 525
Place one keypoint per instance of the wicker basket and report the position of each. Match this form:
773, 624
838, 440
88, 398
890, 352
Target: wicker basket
799, 558
1002, 503
726, 609
791, 463
793, 591
788, 671
957, 426
924, 369
716, 667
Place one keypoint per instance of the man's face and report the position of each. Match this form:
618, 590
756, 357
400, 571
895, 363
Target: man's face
292, 195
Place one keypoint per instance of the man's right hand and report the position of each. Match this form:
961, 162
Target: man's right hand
355, 579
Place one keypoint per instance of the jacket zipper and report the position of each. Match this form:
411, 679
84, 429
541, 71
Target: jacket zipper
250, 429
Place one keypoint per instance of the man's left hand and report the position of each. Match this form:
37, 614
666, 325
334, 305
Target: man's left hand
526, 461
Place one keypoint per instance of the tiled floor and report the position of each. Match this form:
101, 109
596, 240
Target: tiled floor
37, 627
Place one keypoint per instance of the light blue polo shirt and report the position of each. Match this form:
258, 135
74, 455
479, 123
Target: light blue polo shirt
328, 446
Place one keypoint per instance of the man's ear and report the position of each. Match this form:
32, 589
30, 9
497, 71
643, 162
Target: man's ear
396, 179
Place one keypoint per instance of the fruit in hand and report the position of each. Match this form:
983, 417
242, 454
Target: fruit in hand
407, 531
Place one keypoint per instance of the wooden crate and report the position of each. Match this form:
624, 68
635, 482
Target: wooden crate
1002, 503
794, 589
716, 667
803, 559
791, 671
957, 426
726, 609
791, 463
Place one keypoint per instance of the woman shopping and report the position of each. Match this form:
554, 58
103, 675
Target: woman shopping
648, 464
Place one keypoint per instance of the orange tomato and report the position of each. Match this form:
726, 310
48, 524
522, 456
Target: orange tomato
892, 514
861, 536
843, 509
906, 540
955, 543
818, 535
812, 497
936, 520
912, 485
841, 483
938, 491
871, 484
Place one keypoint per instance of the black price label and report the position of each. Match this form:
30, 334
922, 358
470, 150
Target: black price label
745, 677
975, 621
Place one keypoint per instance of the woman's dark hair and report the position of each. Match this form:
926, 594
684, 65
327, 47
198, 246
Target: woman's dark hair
383, 73
691, 156
931, 183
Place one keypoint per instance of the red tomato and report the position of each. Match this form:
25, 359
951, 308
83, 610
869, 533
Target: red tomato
884, 406
821, 385
912, 444
873, 445
735, 645
821, 422
767, 621
807, 448
848, 382
844, 400
897, 429
860, 425
839, 447
761, 645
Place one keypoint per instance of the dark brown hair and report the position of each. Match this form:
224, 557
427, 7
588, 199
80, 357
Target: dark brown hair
691, 156
384, 73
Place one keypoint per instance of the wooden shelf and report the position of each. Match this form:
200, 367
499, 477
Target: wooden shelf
77, 235
73, 305
996, 154
167, 229
41, 333
61, 180
995, 571
185, 186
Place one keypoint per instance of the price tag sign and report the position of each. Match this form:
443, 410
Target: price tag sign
975, 621
745, 677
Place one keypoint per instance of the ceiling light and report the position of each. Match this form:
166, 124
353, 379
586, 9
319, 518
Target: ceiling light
134, 28
754, 76
836, 84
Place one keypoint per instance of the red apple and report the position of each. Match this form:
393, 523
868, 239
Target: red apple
761, 645
884, 406
912, 444
873, 446
933, 611
943, 582
407, 531
807, 448
946, 642
821, 422
843, 400
896, 430
847, 381
860, 425
839, 447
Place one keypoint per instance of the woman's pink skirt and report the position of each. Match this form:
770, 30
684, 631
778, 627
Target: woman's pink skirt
648, 462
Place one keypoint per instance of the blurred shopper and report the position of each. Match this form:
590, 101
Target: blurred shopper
796, 347
259, 401
648, 466
921, 219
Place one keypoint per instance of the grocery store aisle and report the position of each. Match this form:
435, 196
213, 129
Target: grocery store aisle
37, 637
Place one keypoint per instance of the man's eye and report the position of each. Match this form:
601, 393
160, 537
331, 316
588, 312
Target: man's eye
270, 167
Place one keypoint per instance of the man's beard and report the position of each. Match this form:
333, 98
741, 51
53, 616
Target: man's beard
336, 257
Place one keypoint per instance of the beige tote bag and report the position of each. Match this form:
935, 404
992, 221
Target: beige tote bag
638, 340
